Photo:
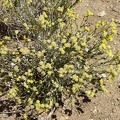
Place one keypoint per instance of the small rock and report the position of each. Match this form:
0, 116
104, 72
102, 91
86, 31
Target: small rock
102, 13
94, 111
116, 9
113, 110
118, 99
118, 78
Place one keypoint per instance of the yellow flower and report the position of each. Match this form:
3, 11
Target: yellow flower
110, 38
53, 44
70, 12
76, 87
87, 29
109, 53
67, 45
74, 39
41, 19
25, 85
51, 103
62, 25
48, 65
30, 81
25, 117
83, 44
39, 69
26, 26
40, 82
41, 63
24, 37
60, 9
40, 53
30, 101
102, 46
104, 33
17, 59
7, 38
17, 31
3, 50
5, 20
118, 67
90, 93
101, 81
10, 74
61, 75
42, 105
104, 89
23, 77
29, 2
75, 77
44, 14
89, 13
49, 72
1, 42
104, 41
16, 68
12, 93
2, 71
63, 40
62, 50
43, 1
77, 47
24, 50
99, 23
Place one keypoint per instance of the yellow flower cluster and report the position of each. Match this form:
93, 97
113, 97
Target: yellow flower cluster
99, 24
40, 107
112, 72
102, 86
3, 50
76, 87
60, 9
67, 69
106, 48
7, 4
12, 93
40, 53
70, 12
24, 50
43, 21
45, 68
113, 27
89, 13
90, 93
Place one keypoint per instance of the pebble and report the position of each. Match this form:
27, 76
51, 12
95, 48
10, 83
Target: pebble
118, 99
94, 111
118, 78
116, 9
102, 13
113, 110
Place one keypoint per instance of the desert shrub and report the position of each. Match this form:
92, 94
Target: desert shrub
55, 59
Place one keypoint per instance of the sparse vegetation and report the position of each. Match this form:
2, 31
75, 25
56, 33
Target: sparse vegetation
45, 57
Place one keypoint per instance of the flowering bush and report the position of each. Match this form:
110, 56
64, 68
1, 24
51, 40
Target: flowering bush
55, 58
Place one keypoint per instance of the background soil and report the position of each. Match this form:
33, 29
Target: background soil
102, 106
